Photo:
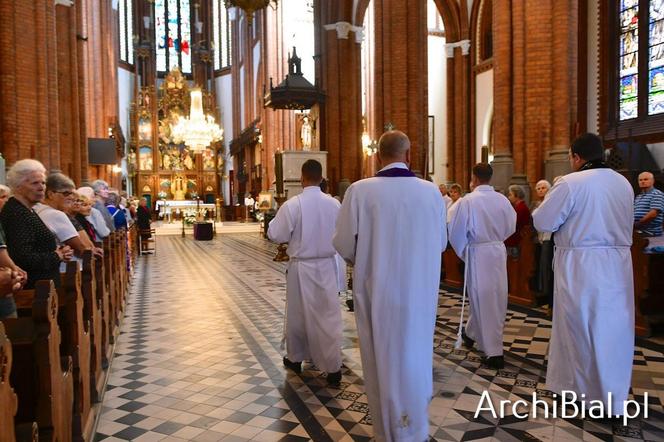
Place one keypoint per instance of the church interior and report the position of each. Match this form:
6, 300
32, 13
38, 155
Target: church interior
196, 117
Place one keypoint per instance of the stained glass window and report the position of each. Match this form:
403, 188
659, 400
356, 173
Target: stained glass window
126, 18
629, 59
173, 35
221, 25
656, 58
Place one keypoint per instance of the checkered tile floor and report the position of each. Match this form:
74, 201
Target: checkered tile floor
198, 359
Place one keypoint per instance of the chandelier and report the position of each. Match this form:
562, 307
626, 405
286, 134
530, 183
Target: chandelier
250, 6
198, 130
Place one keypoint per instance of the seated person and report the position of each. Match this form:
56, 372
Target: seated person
30, 244
649, 206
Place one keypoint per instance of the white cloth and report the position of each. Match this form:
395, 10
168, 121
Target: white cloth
60, 225
313, 313
482, 220
98, 223
592, 341
451, 209
392, 229
448, 201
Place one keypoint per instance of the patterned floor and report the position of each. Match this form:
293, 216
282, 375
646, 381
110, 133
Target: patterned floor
198, 359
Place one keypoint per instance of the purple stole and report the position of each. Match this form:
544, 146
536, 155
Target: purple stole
395, 172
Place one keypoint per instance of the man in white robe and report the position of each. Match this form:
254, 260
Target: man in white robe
391, 227
313, 313
481, 222
592, 340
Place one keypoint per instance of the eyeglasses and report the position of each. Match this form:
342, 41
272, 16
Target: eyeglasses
65, 193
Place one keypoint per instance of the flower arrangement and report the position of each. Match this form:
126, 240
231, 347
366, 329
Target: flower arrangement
189, 216
162, 195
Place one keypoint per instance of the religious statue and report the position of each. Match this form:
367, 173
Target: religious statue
165, 160
178, 188
305, 133
187, 160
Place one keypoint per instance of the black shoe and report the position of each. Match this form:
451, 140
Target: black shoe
295, 366
467, 342
495, 362
334, 378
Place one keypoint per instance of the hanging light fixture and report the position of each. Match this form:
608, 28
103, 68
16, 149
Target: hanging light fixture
250, 6
198, 130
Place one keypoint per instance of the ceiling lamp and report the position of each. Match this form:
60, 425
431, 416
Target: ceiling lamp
250, 6
198, 130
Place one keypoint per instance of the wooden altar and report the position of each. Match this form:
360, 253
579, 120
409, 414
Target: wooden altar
160, 168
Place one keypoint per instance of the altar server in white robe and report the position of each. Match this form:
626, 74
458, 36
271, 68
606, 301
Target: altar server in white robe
592, 341
313, 312
481, 221
391, 227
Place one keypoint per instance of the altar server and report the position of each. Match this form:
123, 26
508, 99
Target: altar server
482, 220
391, 227
313, 312
592, 341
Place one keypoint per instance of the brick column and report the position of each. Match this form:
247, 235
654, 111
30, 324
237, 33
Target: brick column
401, 72
503, 163
341, 115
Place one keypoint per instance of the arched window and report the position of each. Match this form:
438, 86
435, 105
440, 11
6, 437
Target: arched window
221, 25
173, 35
126, 19
637, 95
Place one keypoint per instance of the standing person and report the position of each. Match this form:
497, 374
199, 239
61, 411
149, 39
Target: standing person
592, 341
481, 223
446, 197
12, 277
544, 253
649, 206
31, 244
100, 188
455, 196
95, 217
541, 188
516, 196
392, 228
143, 216
313, 314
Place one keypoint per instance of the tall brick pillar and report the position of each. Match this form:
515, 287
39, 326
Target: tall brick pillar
503, 163
401, 72
341, 114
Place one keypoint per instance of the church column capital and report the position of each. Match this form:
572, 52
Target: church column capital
343, 28
463, 44
67, 3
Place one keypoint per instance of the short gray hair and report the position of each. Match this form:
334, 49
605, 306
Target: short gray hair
517, 191
4, 190
20, 171
98, 185
545, 182
112, 199
57, 182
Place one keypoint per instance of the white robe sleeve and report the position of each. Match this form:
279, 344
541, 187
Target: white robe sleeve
458, 227
282, 226
345, 235
555, 208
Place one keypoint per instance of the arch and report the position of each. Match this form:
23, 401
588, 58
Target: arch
448, 9
481, 26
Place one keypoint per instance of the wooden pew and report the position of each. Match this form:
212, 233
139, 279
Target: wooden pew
453, 268
112, 316
648, 284
92, 312
76, 342
43, 380
521, 270
103, 301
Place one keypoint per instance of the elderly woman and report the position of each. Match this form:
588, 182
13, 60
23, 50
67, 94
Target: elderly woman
77, 212
100, 188
117, 214
60, 195
544, 252
516, 195
541, 188
31, 244
95, 218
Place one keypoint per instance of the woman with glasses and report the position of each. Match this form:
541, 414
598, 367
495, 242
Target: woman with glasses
60, 195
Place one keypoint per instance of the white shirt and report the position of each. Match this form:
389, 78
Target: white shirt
57, 221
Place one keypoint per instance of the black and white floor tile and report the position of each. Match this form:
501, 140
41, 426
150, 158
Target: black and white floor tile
199, 358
